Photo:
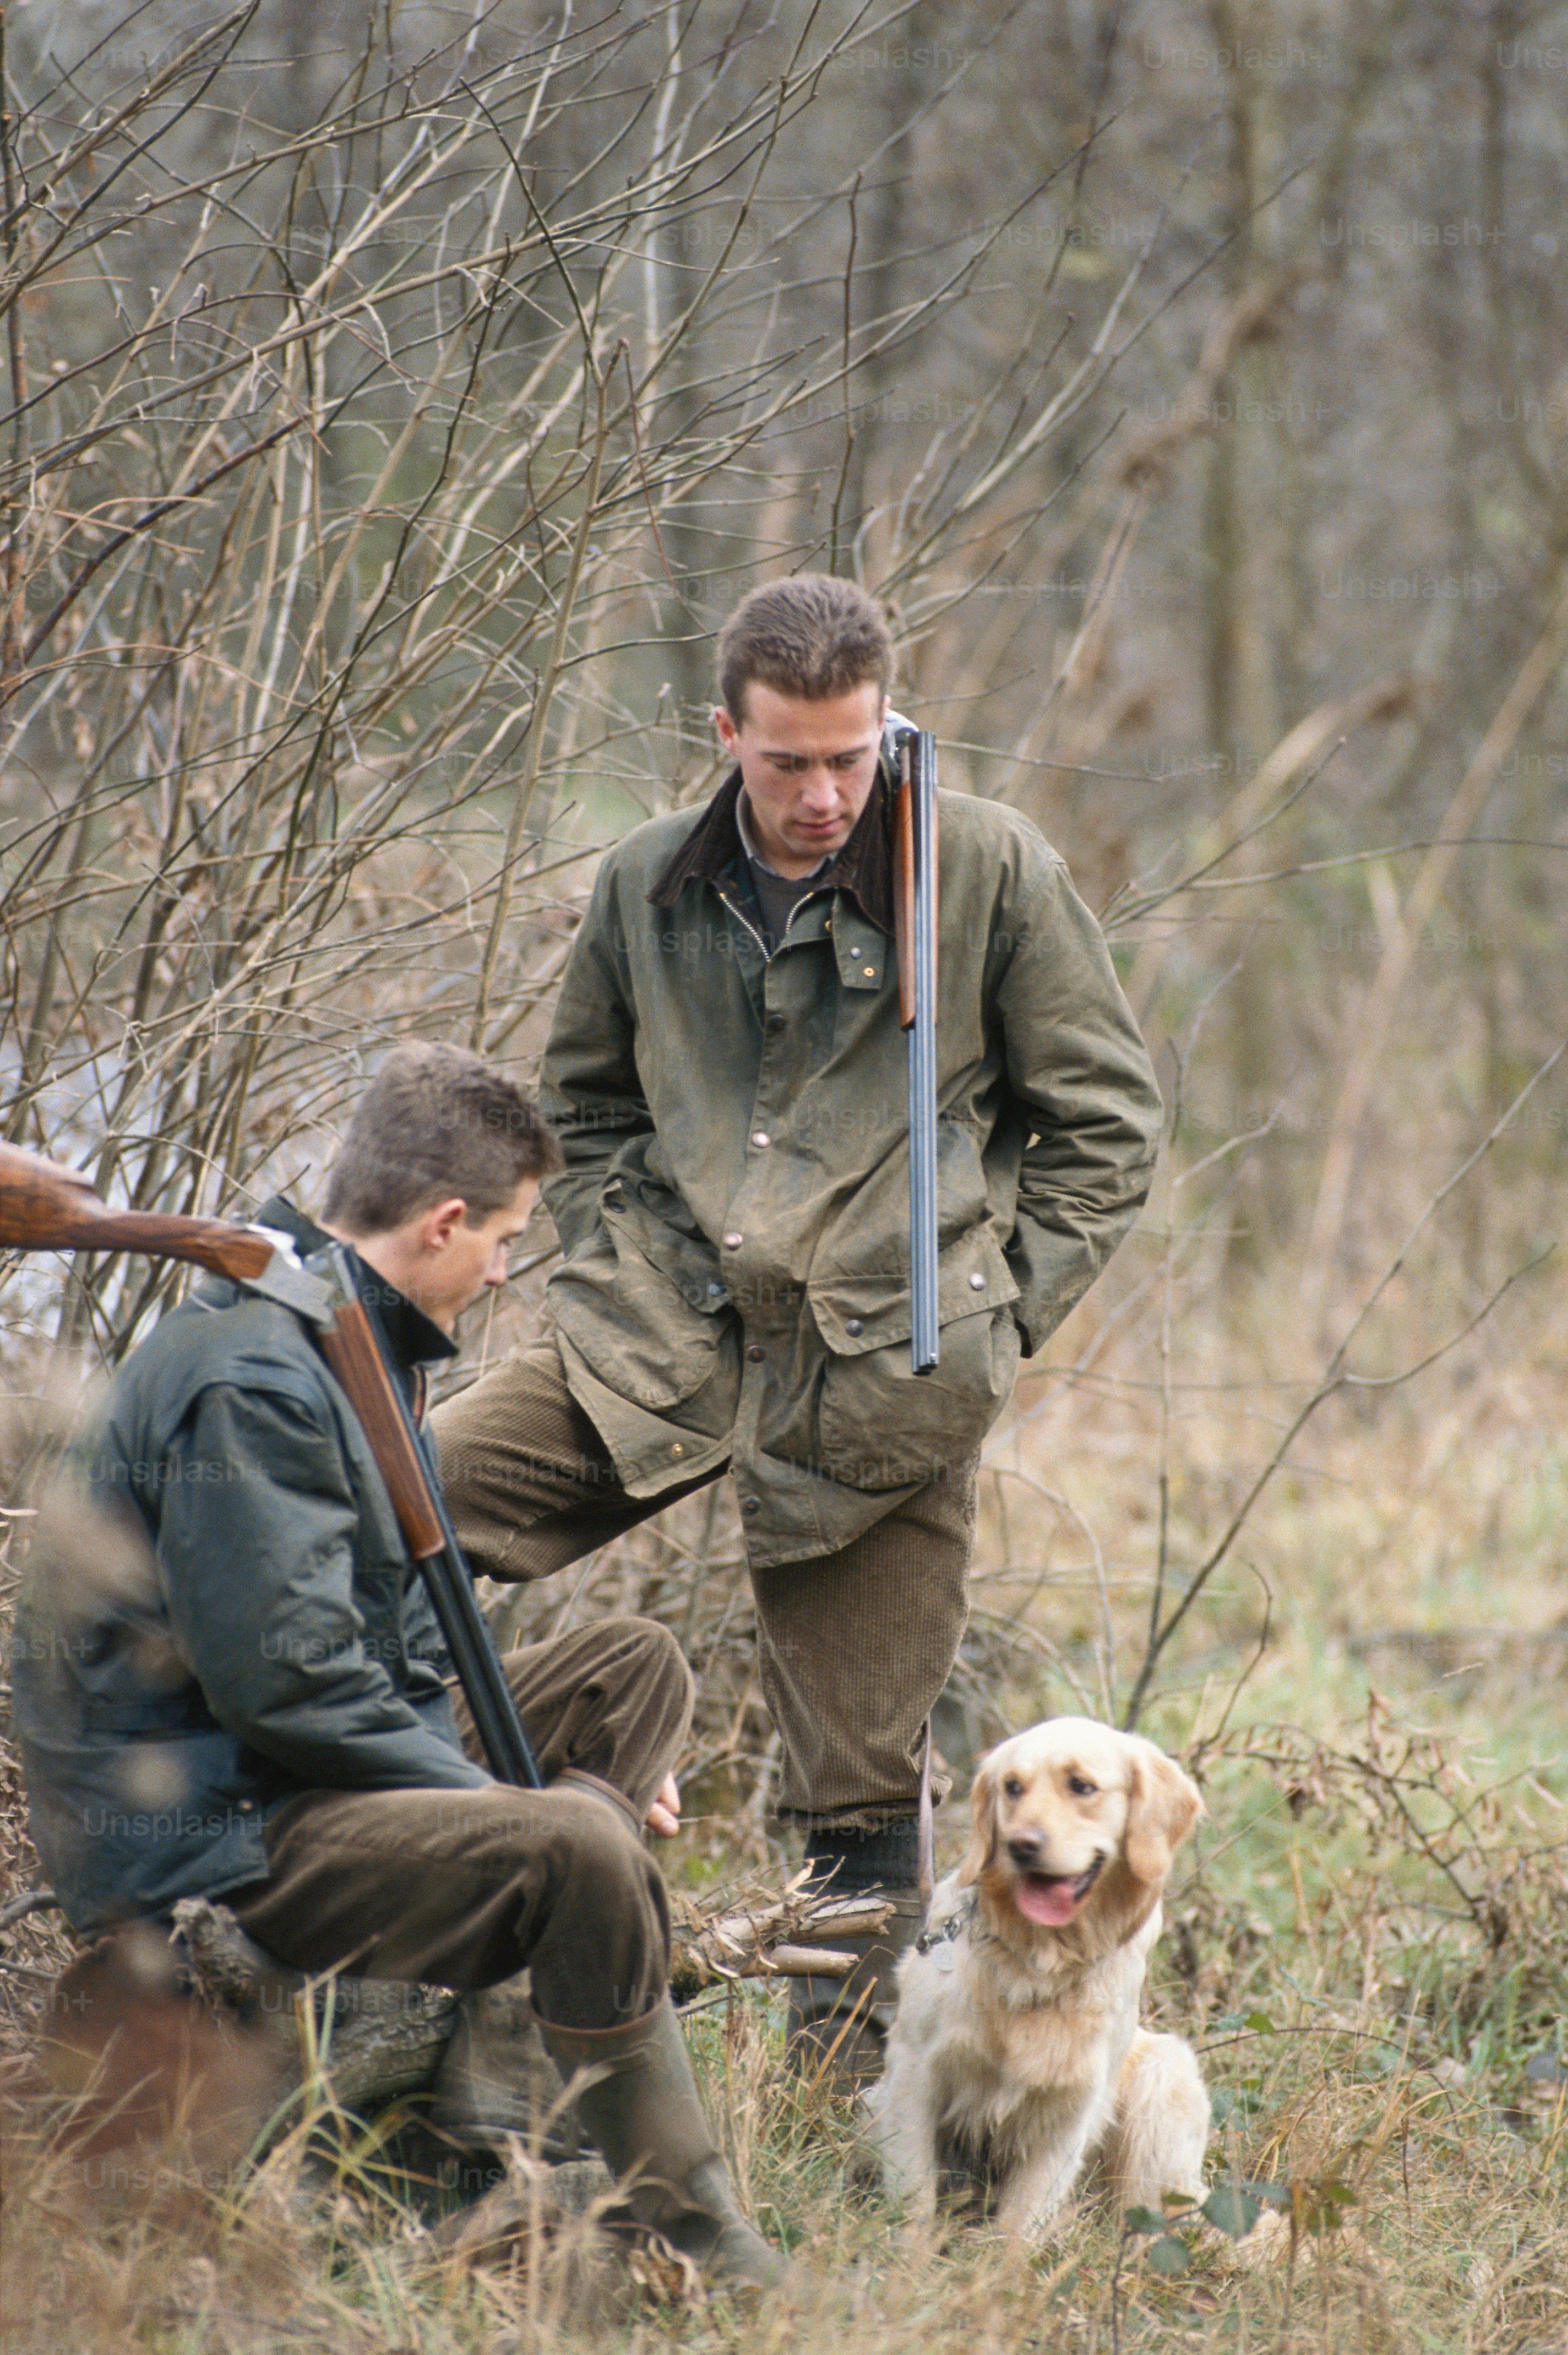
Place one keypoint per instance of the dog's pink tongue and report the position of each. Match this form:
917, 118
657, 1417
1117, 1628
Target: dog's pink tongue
1049, 1903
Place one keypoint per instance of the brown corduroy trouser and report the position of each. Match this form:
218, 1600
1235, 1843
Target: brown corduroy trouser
854, 1646
465, 1888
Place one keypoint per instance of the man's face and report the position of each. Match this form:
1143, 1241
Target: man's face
462, 1260
808, 769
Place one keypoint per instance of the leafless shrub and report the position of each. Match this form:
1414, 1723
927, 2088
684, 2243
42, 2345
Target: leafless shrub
346, 462
396, 407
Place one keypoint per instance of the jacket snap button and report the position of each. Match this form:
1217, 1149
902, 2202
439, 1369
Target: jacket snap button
870, 971
715, 1292
733, 1242
977, 1283
677, 1449
756, 1355
855, 1324
760, 1136
775, 1022
750, 1506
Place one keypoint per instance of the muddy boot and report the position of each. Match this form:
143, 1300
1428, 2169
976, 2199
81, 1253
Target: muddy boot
837, 2028
645, 2116
496, 2079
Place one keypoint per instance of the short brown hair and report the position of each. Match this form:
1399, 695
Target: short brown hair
435, 1122
812, 636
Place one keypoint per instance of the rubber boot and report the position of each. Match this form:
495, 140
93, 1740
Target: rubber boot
837, 2028
643, 2111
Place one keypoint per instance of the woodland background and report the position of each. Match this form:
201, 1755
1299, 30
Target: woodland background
398, 398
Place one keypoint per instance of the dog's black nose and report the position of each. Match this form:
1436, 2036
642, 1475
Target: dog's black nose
1024, 1846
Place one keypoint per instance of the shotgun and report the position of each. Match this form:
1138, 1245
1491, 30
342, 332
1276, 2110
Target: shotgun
44, 1207
914, 749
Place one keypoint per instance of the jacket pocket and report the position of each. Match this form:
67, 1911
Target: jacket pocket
880, 1424
646, 1326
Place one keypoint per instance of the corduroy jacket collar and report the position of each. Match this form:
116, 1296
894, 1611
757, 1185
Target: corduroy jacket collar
864, 868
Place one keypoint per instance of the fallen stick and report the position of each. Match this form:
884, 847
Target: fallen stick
774, 1938
32, 1901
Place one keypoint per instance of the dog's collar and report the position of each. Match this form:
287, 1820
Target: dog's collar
961, 1923
939, 1934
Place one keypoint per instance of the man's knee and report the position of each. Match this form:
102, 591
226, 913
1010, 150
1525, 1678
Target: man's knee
603, 1953
619, 1659
587, 1843
652, 1658
574, 1863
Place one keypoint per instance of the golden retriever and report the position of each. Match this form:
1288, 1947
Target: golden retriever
1016, 2055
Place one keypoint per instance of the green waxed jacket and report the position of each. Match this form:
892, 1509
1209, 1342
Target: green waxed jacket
734, 1205
219, 1612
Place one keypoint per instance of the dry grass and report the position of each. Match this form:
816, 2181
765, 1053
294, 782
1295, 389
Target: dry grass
1365, 1944
1446, 2232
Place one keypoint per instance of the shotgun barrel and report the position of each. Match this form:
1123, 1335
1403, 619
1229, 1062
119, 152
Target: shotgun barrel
353, 1349
917, 920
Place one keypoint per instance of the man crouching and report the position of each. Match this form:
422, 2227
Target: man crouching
248, 1696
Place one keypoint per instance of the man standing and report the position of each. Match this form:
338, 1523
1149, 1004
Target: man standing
726, 1077
229, 1682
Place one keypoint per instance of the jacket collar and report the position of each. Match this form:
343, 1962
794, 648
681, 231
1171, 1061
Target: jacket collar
864, 868
412, 1339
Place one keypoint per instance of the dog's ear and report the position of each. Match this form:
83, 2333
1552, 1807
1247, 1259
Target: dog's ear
982, 1845
1163, 1805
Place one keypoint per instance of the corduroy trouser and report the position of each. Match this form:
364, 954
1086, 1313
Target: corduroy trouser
854, 1646
465, 1888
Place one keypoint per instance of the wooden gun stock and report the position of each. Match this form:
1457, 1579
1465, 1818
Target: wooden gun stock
904, 851
905, 930
915, 931
46, 1206
353, 1352
348, 1345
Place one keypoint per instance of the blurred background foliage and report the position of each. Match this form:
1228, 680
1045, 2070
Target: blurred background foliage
400, 396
